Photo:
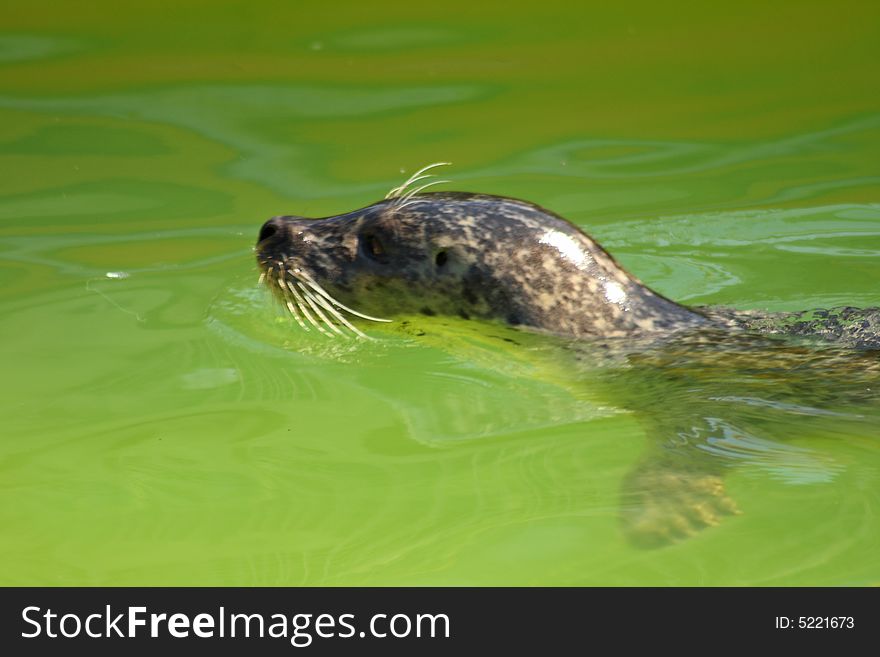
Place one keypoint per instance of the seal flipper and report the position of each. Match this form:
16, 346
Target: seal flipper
675, 491
664, 501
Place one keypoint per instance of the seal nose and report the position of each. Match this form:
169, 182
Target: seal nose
270, 228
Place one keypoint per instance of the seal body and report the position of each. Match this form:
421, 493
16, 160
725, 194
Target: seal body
472, 255
706, 383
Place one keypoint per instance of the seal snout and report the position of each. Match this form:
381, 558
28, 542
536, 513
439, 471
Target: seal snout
270, 228
279, 228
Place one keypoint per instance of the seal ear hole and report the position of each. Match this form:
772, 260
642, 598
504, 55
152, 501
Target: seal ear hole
441, 258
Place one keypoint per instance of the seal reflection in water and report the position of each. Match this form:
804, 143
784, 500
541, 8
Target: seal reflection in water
490, 258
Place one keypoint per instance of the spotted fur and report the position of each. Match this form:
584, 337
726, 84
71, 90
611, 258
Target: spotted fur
472, 255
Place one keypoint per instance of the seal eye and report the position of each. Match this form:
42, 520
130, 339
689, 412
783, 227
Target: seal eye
441, 258
373, 248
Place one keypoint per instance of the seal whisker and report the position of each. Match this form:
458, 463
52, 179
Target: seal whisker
415, 191
294, 308
322, 303
320, 290
412, 181
310, 300
296, 314
302, 306
337, 315
291, 304
397, 191
410, 202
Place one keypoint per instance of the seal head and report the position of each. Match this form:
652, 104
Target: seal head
471, 255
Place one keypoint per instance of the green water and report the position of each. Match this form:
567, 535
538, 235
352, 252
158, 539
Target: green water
166, 424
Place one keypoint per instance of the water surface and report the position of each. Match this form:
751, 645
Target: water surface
163, 423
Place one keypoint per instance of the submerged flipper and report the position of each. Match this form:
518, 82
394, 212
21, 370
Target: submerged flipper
666, 498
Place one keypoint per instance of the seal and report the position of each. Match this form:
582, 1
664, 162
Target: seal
491, 258
471, 255
505, 260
